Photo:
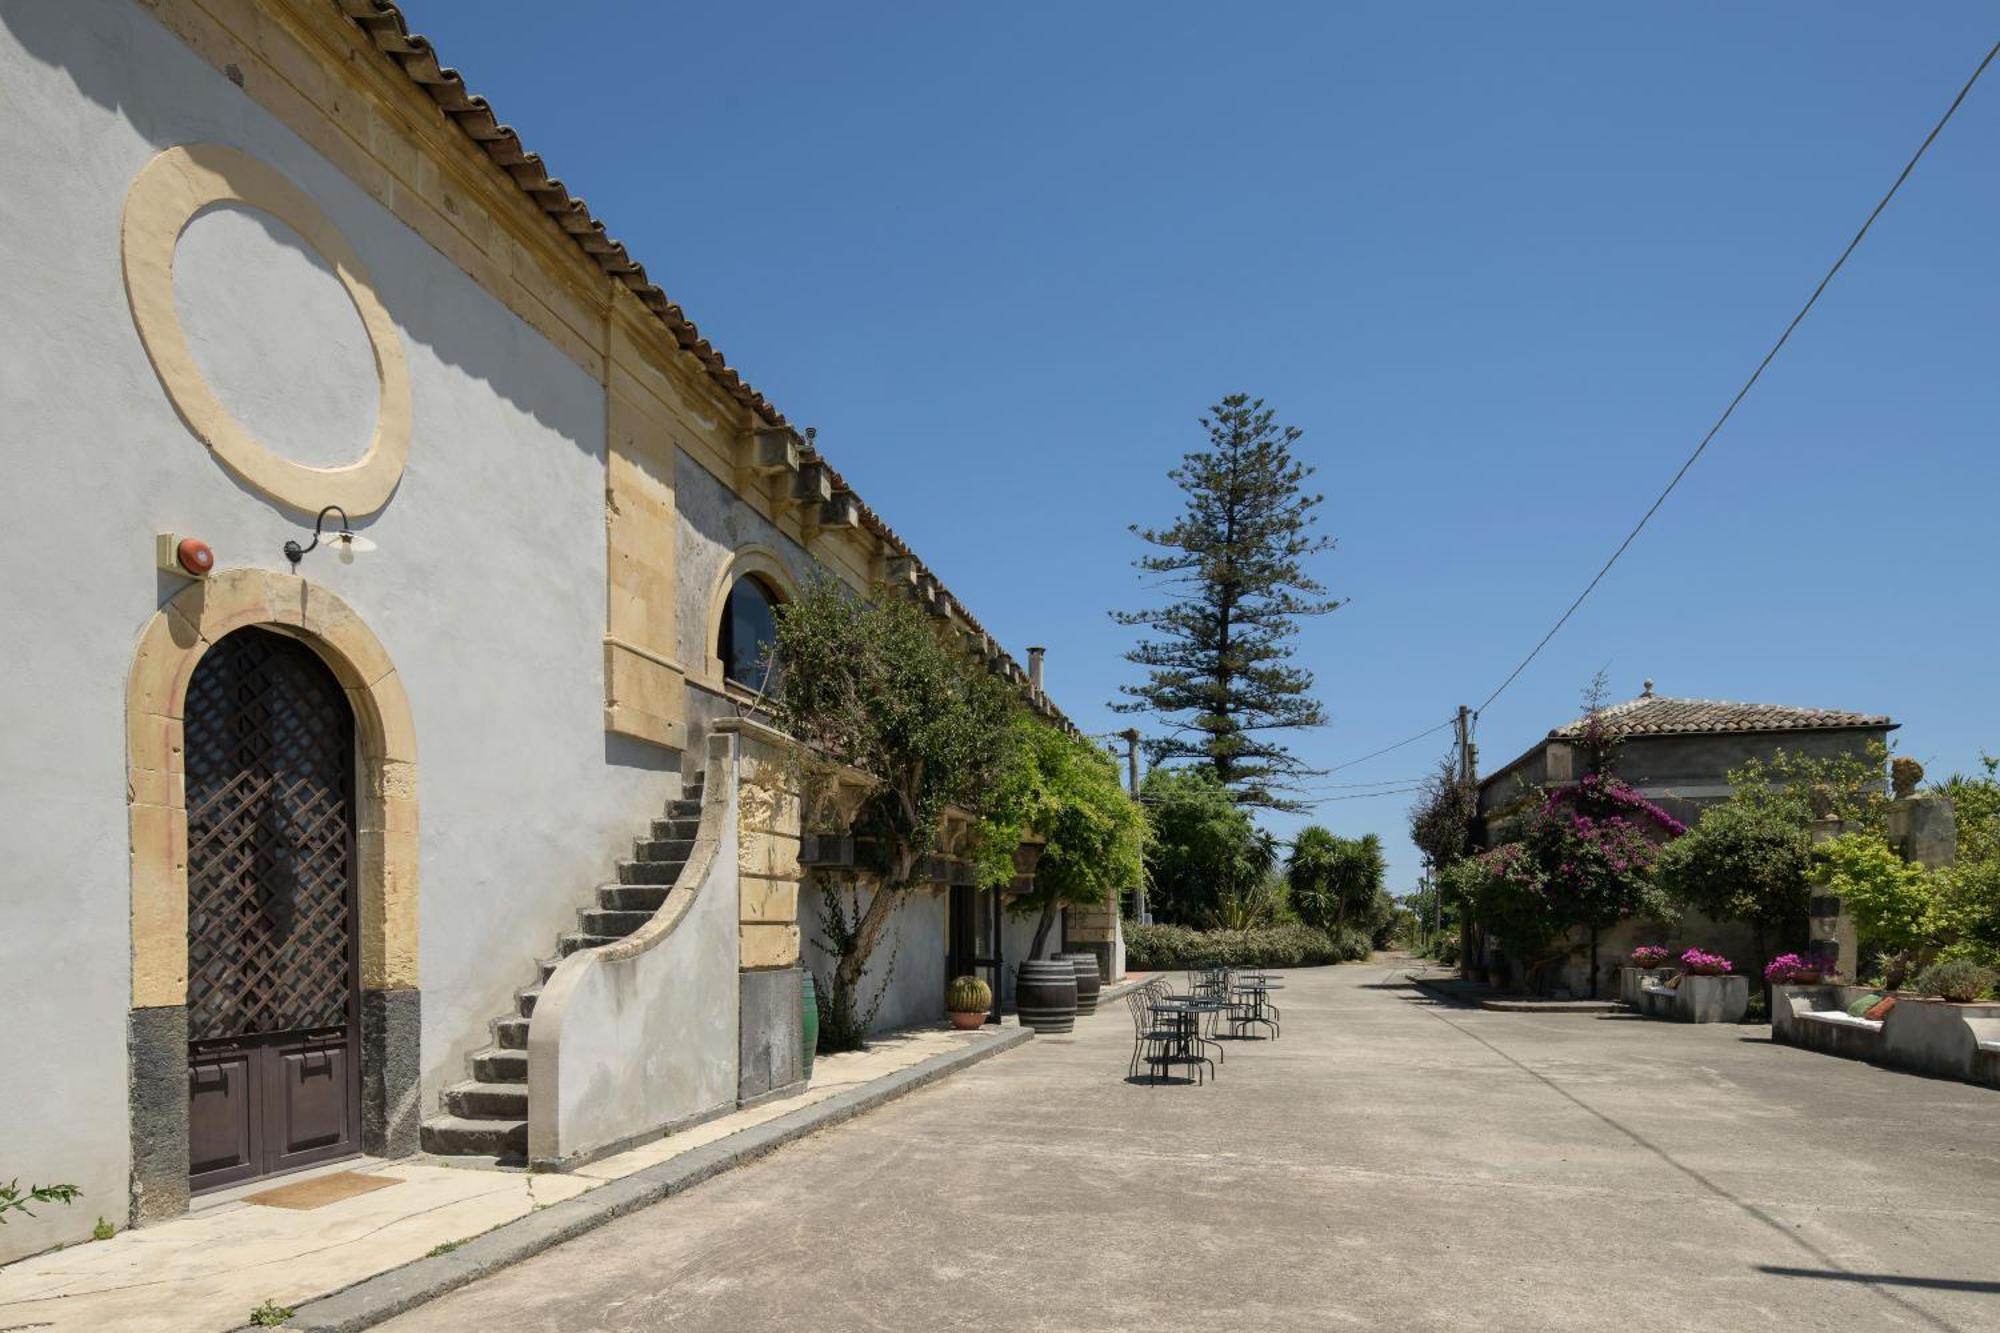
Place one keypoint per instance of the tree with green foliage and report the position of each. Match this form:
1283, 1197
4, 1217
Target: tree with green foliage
1337, 881
1968, 907
1441, 820
1204, 852
1895, 905
1744, 861
875, 686
1218, 657
1066, 792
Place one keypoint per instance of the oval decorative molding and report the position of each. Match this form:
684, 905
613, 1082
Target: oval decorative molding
164, 198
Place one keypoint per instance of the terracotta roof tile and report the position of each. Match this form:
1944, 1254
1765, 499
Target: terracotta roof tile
390, 33
1656, 715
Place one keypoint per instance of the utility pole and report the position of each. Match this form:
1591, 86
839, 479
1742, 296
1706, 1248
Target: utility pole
1464, 743
1465, 776
1131, 738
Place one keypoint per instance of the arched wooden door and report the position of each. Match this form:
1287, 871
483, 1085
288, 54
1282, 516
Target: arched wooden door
274, 1071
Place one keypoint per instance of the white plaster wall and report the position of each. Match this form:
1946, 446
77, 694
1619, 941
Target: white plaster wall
622, 1047
305, 384
916, 940
1017, 934
487, 591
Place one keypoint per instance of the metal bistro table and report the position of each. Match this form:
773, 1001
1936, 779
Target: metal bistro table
1186, 1012
1256, 988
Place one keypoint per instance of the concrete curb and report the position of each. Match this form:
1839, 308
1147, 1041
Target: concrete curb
386, 1295
1458, 993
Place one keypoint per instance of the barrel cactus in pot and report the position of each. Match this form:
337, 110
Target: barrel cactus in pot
968, 1001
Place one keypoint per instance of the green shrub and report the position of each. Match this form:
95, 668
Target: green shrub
1164, 948
1958, 979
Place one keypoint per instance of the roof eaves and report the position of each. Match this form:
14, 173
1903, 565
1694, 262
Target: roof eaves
411, 52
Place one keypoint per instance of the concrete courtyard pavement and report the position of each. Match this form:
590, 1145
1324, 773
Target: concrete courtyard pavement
1392, 1163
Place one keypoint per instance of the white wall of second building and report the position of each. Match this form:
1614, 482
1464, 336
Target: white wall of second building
487, 589
907, 968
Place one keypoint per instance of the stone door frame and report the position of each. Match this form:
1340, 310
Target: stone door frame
173, 641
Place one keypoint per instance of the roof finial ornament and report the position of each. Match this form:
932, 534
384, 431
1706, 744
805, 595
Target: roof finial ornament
1649, 689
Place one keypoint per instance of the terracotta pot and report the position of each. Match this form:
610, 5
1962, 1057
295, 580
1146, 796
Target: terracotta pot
966, 1022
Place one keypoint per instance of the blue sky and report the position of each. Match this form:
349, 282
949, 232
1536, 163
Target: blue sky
1502, 264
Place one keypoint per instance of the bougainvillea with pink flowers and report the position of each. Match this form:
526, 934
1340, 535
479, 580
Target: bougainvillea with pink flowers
1793, 966
1651, 955
1699, 964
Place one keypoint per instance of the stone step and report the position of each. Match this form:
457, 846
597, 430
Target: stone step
676, 828
462, 1136
496, 1064
676, 850
648, 872
685, 809
575, 939
511, 1033
607, 921
487, 1101
632, 897
547, 967
524, 1000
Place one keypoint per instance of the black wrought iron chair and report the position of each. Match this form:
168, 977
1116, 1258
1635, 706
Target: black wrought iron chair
1154, 1039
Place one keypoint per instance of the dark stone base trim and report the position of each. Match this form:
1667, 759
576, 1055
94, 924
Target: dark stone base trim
391, 1071
774, 1094
770, 1050
157, 1044
157, 1047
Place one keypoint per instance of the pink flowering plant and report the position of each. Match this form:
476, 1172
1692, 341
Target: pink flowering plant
1651, 955
1699, 964
1791, 966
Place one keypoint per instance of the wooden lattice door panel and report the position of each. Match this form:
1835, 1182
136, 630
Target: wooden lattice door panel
273, 1058
270, 743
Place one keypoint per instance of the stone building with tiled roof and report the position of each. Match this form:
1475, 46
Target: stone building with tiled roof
1678, 752
477, 843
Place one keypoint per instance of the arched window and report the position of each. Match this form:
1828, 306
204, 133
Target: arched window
749, 634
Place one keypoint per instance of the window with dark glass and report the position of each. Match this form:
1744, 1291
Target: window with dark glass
749, 629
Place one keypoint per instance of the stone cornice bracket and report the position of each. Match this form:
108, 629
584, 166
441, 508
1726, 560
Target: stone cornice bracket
768, 451
843, 511
812, 486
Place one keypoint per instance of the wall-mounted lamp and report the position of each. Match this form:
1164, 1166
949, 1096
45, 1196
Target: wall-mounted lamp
345, 542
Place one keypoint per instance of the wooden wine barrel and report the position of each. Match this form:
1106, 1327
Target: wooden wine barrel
808, 1018
1088, 982
1045, 995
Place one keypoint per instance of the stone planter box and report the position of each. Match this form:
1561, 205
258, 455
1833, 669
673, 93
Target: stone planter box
1926, 1036
1697, 999
1630, 979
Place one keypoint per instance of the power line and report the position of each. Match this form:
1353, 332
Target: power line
1755, 375
1365, 795
1373, 754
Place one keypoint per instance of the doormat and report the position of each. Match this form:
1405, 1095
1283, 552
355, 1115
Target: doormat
321, 1190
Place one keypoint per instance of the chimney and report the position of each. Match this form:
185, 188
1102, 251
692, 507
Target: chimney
1035, 672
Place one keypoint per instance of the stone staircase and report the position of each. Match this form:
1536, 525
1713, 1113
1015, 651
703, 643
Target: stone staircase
487, 1115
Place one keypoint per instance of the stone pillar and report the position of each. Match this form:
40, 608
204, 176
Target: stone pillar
771, 1057
1095, 930
1924, 829
1830, 929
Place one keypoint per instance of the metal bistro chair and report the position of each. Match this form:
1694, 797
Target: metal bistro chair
1250, 1003
1153, 1039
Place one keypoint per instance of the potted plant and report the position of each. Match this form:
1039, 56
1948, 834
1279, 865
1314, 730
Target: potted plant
1696, 963
968, 1002
1709, 991
1650, 956
1791, 969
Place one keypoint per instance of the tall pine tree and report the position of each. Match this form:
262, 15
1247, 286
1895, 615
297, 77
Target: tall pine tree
1218, 658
